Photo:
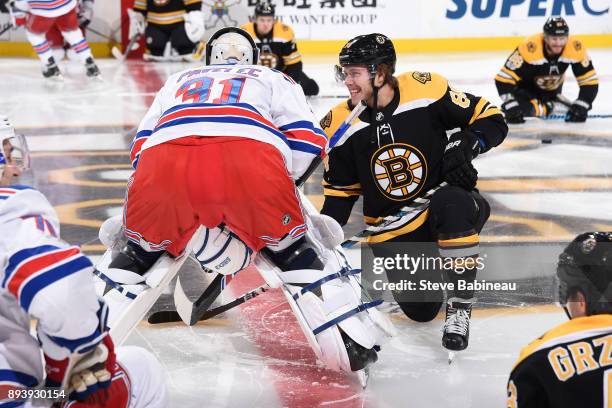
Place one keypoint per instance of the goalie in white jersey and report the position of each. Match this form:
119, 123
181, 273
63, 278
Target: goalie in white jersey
223, 144
44, 278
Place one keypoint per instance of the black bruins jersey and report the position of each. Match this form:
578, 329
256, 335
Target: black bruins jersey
277, 49
403, 159
528, 67
165, 12
570, 366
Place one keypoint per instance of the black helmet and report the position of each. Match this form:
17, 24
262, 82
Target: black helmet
370, 50
264, 8
556, 26
586, 265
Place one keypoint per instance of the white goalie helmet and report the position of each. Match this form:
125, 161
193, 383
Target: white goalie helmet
13, 148
231, 45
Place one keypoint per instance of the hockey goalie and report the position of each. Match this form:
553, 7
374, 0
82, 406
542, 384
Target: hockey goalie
222, 145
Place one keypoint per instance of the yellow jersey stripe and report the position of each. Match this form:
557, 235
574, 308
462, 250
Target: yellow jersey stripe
478, 109
585, 76
470, 239
505, 80
511, 73
339, 193
411, 226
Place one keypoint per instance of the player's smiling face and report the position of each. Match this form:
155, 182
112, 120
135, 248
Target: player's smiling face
357, 81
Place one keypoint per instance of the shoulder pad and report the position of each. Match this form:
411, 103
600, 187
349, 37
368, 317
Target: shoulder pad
531, 49
282, 31
334, 118
574, 51
416, 85
249, 28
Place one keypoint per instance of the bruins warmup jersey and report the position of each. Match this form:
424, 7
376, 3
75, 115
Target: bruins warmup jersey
164, 12
277, 49
402, 159
528, 67
570, 366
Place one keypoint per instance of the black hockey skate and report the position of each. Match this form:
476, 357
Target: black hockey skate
51, 70
457, 326
359, 356
91, 68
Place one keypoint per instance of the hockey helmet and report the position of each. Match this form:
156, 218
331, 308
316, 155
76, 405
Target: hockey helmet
370, 50
13, 147
231, 45
265, 8
556, 26
586, 265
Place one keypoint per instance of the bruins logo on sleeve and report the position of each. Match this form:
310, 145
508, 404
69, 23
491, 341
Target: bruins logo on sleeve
515, 61
531, 46
422, 77
399, 170
326, 121
577, 45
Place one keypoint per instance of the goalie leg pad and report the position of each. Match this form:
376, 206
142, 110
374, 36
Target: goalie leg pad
220, 250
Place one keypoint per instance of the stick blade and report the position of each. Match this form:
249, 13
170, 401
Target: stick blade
184, 306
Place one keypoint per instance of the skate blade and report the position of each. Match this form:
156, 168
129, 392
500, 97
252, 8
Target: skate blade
363, 376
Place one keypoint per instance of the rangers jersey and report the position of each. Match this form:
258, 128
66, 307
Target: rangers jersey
569, 366
42, 276
46, 8
402, 158
234, 100
530, 68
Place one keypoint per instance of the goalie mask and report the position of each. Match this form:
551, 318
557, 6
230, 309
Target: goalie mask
14, 154
231, 45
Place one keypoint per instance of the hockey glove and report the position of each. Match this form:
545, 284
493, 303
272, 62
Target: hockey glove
578, 111
83, 374
513, 111
137, 23
457, 168
194, 26
85, 13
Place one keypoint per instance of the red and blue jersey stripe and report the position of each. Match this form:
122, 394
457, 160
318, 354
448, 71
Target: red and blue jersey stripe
31, 270
80, 46
48, 4
300, 136
8, 192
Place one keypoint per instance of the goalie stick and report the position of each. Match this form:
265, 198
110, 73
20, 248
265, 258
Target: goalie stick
130, 46
191, 312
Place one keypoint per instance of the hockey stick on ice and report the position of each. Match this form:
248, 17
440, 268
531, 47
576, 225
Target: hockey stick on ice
191, 312
4, 30
130, 46
160, 275
417, 205
414, 208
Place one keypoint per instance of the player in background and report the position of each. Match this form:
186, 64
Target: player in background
531, 80
178, 22
224, 143
44, 278
41, 16
402, 156
571, 364
59, 47
277, 47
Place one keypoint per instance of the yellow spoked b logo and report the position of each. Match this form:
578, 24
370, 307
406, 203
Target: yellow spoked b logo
399, 170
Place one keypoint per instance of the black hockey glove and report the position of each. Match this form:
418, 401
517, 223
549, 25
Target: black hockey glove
578, 111
457, 168
513, 111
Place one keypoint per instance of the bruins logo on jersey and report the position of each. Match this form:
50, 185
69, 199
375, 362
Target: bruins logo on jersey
577, 45
514, 61
422, 77
268, 59
326, 121
531, 46
399, 170
549, 82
